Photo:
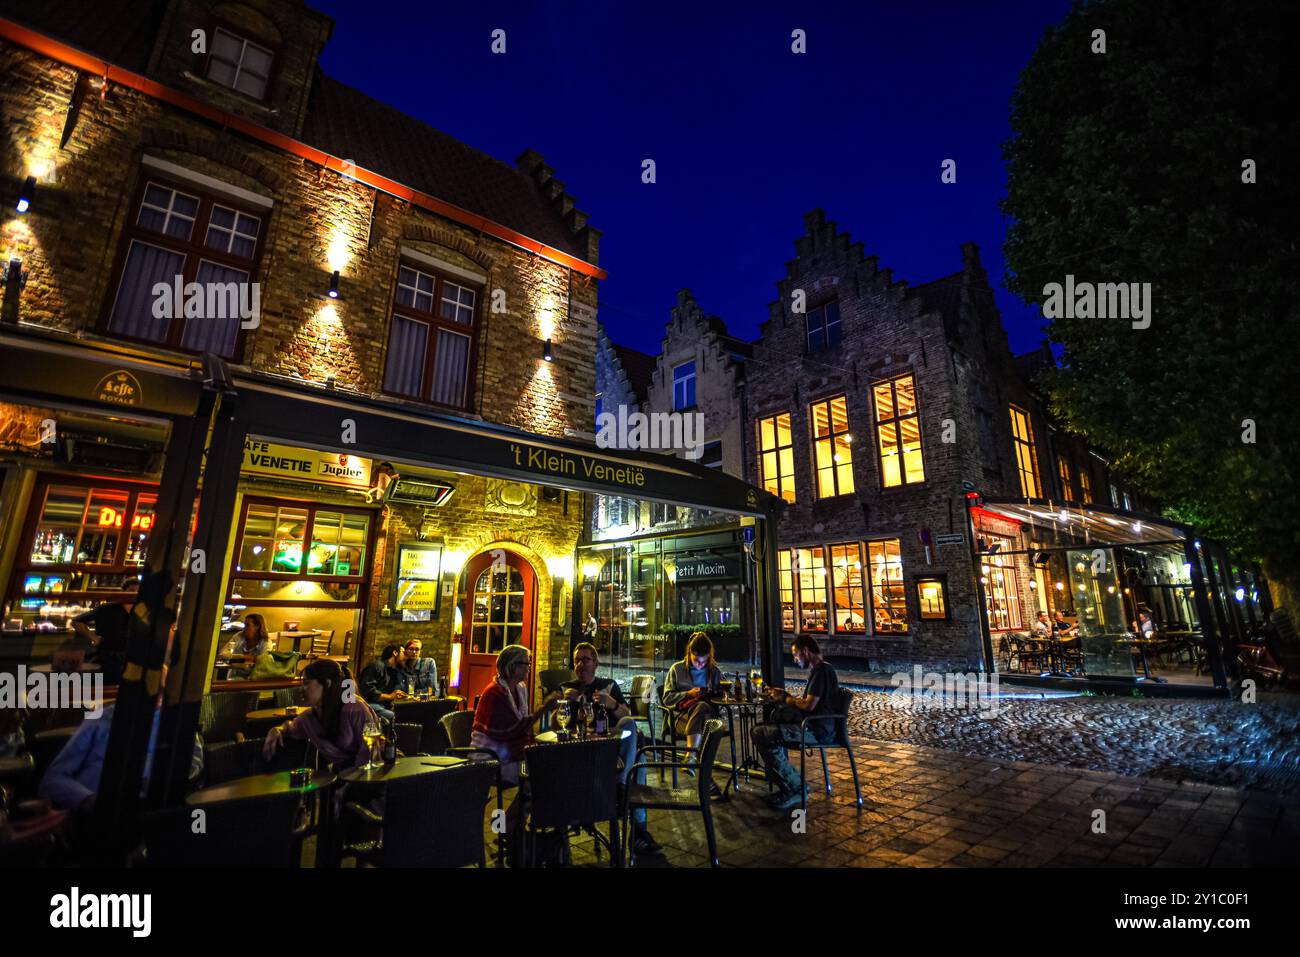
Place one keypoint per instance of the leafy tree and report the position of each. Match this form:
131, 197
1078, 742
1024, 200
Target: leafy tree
1129, 166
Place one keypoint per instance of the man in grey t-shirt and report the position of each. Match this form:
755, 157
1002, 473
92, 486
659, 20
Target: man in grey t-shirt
782, 727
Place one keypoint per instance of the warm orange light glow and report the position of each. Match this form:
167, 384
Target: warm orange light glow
111, 518
456, 648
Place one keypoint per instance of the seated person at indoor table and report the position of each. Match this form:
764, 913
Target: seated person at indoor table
1144, 627
250, 643
606, 693
1042, 627
382, 682
782, 726
418, 674
335, 726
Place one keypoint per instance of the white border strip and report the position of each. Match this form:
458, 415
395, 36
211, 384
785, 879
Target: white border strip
209, 183
443, 266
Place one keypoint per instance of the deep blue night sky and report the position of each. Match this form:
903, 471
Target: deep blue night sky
747, 136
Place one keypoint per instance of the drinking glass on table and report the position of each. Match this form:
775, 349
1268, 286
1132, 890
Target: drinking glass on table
562, 716
371, 734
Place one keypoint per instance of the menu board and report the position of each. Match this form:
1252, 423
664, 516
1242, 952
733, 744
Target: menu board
415, 587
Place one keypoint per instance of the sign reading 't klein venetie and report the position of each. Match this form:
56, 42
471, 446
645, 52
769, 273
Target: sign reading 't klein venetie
305, 465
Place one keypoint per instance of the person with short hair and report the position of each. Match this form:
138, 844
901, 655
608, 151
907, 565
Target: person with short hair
782, 727
417, 674
112, 621
1042, 627
1062, 628
606, 693
381, 681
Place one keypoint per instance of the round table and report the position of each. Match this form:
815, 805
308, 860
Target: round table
274, 714
403, 768
751, 713
259, 785
47, 667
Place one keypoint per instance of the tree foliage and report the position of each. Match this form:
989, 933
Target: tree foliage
1127, 166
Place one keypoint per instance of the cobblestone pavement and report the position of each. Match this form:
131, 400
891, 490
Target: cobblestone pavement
1211, 741
926, 807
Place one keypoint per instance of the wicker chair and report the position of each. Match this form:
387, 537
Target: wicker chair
227, 760
697, 798
408, 738
253, 832
428, 715
436, 819
843, 700
223, 715
289, 697
457, 728
574, 783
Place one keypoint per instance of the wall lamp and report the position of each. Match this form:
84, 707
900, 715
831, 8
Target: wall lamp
334, 285
546, 352
25, 197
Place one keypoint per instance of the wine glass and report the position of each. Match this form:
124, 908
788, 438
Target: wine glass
562, 716
371, 734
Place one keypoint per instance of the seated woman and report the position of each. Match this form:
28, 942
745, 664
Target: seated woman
686, 685
502, 722
249, 643
333, 725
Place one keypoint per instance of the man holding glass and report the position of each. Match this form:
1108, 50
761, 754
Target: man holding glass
417, 674
605, 693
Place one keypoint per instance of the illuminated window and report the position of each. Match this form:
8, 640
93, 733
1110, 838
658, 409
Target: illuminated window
888, 599
1063, 471
787, 591
180, 233
776, 455
847, 589
1002, 598
498, 609
823, 324
898, 429
239, 64
1026, 459
1085, 486
430, 343
931, 599
832, 449
684, 386
274, 537
810, 569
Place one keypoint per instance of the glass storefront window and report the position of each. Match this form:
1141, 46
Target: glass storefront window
849, 595
787, 591
1000, 588
811, 572
888, 600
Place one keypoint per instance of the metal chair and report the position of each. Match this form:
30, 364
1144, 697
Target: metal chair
436, 819
457, 727
843, 700
650, 798
574, 783
641, 695
408, 738
252, 832
222, 715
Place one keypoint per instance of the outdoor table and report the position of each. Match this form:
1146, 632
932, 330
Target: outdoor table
277, 782
403, 768
1140, 646
750, 713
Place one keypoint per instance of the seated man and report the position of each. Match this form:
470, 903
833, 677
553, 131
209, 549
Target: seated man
606, 693
418, 674
381, 681
1042, 627
1062, 628
782, 726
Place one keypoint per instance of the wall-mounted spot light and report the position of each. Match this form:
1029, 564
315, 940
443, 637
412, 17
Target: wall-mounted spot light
546, 352
334, 285
27, 195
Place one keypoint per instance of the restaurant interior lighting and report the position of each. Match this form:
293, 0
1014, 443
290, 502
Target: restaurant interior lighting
546, 351
1060, 586
334, 285
25, 197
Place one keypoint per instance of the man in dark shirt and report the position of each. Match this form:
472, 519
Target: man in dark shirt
381, 681
782, 726
605, 693
112, 622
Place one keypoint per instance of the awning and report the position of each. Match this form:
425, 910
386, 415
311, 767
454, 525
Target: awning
1084, 524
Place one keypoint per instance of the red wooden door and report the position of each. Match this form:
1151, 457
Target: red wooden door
497, 609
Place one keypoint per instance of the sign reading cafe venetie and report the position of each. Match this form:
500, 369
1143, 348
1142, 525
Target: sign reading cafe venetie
308, 465
568, 464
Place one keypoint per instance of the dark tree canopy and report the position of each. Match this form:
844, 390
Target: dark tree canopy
1127, 166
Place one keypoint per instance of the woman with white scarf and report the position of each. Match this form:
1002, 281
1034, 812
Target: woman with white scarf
502, 722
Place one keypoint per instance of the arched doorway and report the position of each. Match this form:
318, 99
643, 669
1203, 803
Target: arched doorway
498, 608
